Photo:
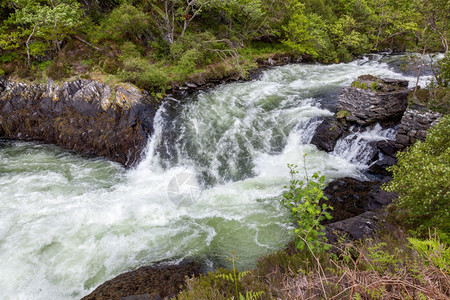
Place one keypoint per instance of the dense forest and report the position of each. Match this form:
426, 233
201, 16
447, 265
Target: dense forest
157, 44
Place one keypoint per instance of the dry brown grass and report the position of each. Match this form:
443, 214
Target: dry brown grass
369, 270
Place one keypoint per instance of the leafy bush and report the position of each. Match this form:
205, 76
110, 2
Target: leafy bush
193, 51
421, 182
302, 200
125, 22
443, 77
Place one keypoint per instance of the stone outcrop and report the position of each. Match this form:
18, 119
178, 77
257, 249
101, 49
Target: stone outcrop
414, 125
356, 204
350, 197
354, 228
370, 100
149, 283
82, 115
327, 134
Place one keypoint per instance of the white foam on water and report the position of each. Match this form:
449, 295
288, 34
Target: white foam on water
68, 223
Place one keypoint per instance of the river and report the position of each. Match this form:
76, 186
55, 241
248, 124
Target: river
209, 185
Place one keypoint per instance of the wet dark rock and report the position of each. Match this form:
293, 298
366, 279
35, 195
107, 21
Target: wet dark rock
350, 197
146, 283
377, 198
379, 167
414, 125
356, 206
373, 100
3, 83
81, 115
387, 147
327, 134
354, 228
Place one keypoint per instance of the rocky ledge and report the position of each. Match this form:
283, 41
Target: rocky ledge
371, 99
414, 125
146, 283
86, 116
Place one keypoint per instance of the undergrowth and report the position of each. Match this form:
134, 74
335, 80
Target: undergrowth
389, 266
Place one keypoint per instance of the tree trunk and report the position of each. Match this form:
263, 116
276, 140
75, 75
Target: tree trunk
28, 45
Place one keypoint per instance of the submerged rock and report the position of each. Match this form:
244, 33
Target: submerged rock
81, 115
149, 283
370, 100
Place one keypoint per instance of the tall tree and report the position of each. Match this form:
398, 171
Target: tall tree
50, 20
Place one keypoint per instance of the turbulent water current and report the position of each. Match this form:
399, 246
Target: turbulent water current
214, 171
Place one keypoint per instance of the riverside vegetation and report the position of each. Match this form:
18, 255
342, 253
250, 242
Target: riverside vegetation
159, 45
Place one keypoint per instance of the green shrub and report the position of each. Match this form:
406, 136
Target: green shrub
421, 181
125, 22
359, 85
443, 77
375, 86
153, 80
302, 200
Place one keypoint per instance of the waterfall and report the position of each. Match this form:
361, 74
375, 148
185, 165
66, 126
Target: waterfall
69, 223
359, 147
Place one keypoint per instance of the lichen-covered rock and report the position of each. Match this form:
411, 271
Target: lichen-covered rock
370, 100
81, 115
414, 125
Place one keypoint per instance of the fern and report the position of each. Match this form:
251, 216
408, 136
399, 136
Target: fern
237, 277
433, 250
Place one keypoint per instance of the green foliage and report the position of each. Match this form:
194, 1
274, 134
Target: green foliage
342, 114
224, 284
191, 52
302, 200
443, 76
434, 251
421, 182
307, 34
359, 85
375, 86
125, 22
57, 71
383, 258
236, 277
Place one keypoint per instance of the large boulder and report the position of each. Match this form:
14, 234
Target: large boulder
355, 228
86, 116
149, 283
414, 125
370, 100
350, 197
327, 134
